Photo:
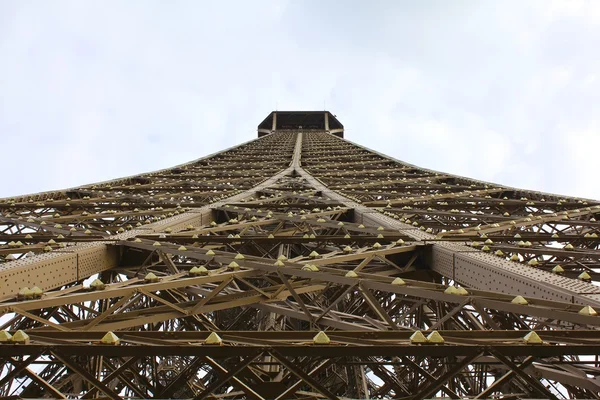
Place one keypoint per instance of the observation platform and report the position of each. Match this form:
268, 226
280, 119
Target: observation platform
308, 120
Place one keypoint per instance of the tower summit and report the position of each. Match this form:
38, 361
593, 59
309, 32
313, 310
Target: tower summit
299, 266
301, 120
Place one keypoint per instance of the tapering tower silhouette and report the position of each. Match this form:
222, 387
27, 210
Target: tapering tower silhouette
299, 265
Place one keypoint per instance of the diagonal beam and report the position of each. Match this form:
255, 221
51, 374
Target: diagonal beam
227, 375
441, 381
292, 389
105, 313
160, 300
117, 372
18, 367
210, 296
86, 375
373, 303
427, 375
303, 375
532, 381
39, 319
334, 302
451, 314
49, 387
297, 297
181, 378
495, 386
168, 262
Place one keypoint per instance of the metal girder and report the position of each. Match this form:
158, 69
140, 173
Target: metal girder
473, 267
299, 265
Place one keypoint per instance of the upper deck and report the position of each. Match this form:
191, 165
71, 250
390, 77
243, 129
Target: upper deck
313, 120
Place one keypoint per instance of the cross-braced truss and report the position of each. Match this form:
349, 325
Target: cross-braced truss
299, 266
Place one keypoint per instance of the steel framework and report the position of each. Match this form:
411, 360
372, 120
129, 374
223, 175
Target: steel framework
299, 265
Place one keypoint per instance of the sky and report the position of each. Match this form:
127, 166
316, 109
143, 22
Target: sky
503, 91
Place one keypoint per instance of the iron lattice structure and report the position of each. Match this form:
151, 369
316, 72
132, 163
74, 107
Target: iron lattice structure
297, 266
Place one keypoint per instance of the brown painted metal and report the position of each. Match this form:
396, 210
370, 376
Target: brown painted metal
297, 232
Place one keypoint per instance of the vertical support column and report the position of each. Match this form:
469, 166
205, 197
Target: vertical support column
274, 127
297, 152
326, 122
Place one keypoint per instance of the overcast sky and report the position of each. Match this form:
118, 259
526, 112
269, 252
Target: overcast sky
504, 91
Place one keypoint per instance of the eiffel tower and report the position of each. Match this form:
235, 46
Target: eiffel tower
299, 265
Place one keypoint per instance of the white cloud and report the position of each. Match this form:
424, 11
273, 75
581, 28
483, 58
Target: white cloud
496, 90
581, 152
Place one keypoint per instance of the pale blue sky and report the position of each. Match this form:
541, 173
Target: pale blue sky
505, 91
